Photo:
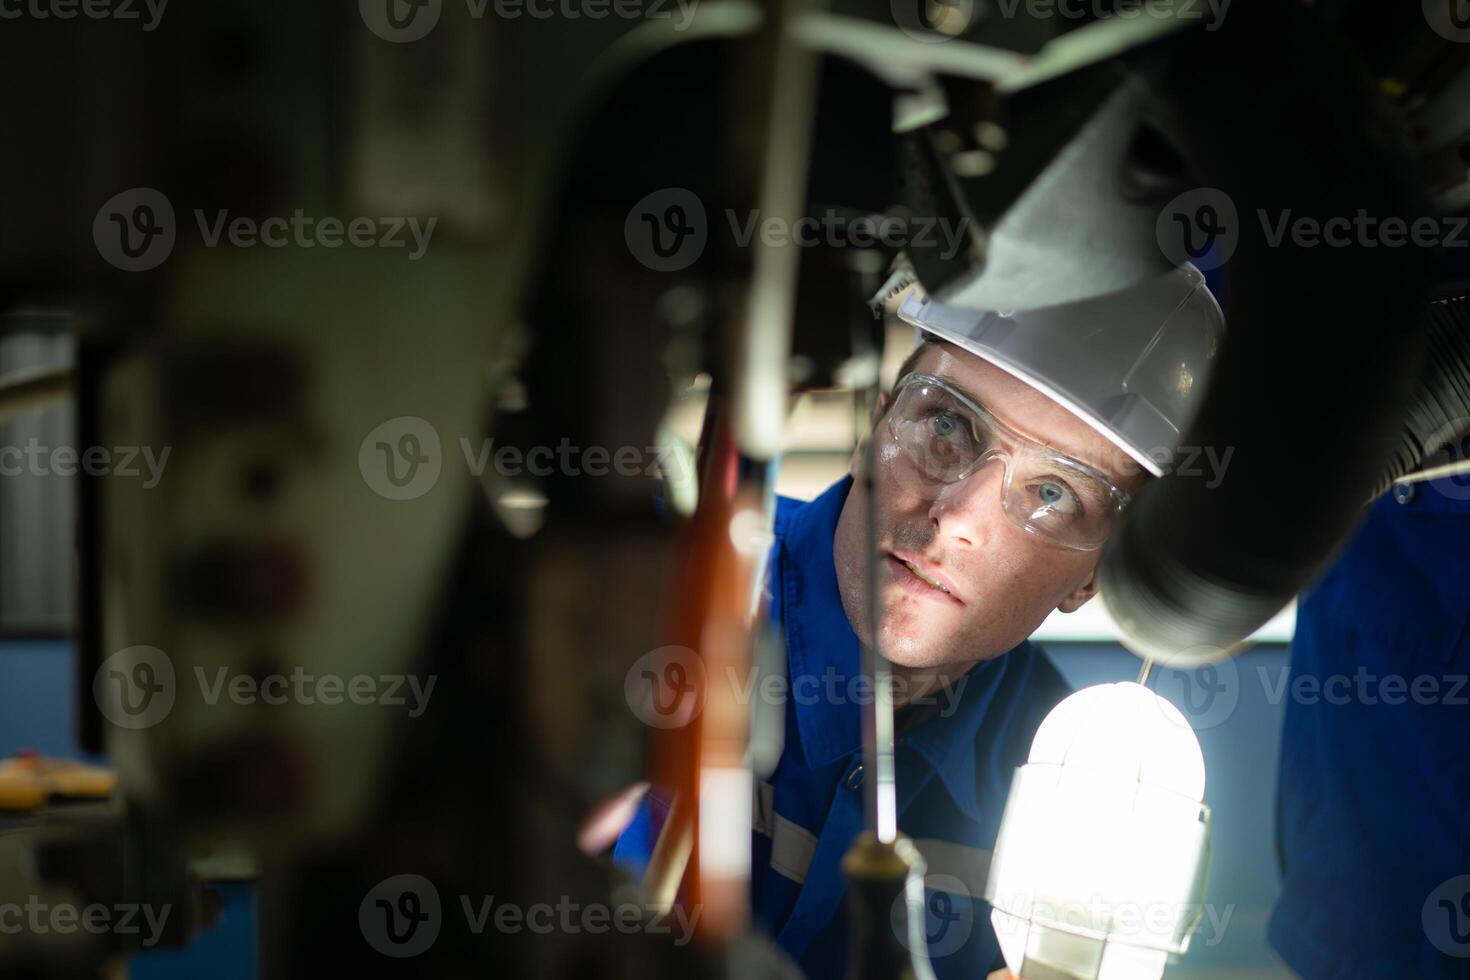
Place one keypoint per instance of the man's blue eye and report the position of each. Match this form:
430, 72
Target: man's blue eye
944, 425
1056, 497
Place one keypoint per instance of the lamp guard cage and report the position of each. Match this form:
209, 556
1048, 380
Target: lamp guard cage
1182, 934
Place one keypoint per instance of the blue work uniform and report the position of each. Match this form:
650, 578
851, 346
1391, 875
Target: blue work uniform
1373, 802
954, 760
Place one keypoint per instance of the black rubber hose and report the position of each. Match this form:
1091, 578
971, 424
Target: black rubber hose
1438, 419
1324, 343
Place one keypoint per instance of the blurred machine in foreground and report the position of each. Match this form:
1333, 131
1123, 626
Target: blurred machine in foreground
331, 506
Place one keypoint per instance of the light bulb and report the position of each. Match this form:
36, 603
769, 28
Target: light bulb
1100, 848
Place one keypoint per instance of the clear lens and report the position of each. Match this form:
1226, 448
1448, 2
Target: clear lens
944, 439
1049, 497
938, 433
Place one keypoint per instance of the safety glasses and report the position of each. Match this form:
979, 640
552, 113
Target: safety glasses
943, 436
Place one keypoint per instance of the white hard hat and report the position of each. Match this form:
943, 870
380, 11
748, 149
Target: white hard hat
1133, 363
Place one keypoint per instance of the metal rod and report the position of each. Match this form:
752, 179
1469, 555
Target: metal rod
1435, 472
881, 796
670, 857
1145, 670
25, 390
785, 98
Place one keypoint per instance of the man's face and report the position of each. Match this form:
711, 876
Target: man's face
1003, 581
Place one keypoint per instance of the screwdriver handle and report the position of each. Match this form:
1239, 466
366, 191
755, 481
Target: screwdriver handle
885, 901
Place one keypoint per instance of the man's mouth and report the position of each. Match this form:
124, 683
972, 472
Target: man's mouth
910, 566
928, 578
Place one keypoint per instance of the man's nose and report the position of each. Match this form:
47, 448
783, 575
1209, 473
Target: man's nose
964, 510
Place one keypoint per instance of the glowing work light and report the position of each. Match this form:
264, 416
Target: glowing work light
1102, 853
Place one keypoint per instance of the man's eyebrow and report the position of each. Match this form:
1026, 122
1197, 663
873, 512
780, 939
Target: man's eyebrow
1003, 420
1111, 478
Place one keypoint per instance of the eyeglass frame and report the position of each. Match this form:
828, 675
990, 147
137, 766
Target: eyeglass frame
1120, 497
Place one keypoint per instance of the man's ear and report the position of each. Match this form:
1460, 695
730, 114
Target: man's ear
1079, 596
879, 407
